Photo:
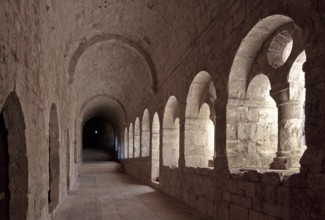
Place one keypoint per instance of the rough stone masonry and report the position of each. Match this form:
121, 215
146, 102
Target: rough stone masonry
219, 104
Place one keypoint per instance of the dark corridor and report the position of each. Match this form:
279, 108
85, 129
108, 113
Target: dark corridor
4, 172
98, 140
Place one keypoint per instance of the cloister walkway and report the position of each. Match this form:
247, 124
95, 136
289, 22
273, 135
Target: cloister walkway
116, 196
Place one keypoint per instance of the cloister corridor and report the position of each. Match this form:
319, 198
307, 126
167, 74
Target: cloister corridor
162, 109
102, 192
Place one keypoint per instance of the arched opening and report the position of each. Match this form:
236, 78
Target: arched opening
280, 49
145, 134
126, 145
155, 148
131, 155
247, 53
137, 138
13, 161
54, 159
170, 149
199, 122
298, 93
256, 137
98, 140
265, 132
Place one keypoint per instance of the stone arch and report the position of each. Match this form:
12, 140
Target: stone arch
17, 154
145, 134
268, 48
155, 148
114, 38
137, 138
199, 121
248, 51
296, 80
131, 142
54, 159
108, 97
170, 149
254, 143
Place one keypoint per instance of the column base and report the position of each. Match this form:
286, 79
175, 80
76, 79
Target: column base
282, 161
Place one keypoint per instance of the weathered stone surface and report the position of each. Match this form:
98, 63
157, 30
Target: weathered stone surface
125, 59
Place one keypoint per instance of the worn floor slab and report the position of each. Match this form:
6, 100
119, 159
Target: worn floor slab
118, 196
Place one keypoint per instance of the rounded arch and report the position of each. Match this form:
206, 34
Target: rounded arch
137, 138
261, 124
145, 134
155, 148
131, 146
54, 159
17, 152
261, 134
114, 38
248, 51
201, 91
170, 149
93, 99
296, 79
259, 89
199, 121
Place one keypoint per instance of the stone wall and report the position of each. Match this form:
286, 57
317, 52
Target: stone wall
31, 66
38, 41
222, 192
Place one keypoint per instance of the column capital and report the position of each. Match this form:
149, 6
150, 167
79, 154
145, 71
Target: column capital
281, 95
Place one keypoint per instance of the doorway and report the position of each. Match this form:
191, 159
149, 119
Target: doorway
98, 140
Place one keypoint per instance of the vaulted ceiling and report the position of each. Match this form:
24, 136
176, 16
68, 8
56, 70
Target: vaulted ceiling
124, 49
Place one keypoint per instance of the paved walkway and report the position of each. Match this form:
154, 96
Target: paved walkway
117, 196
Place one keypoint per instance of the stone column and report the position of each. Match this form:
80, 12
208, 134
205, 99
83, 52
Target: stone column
289, 128
181, 160
220, 122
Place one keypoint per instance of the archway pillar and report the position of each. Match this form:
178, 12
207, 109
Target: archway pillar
220, 124
289, 128
181, 160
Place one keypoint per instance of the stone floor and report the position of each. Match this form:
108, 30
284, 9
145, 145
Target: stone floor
113, 196
91, 155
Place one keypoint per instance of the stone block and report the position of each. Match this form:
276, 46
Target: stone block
238, 213
241, 201
250, 189
223, 212
211, 208
271, 178
253, 215
226, 196
284, 198
276, 211
269, 217
202, 205
270, 194
253, 176
241, 187
232, 186
257, 204
316, 181
295, 180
